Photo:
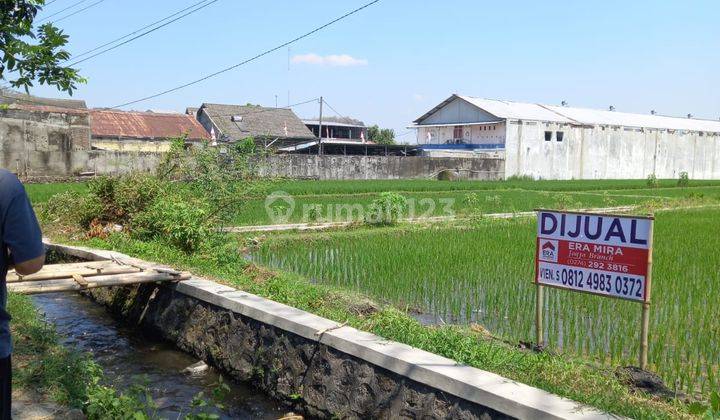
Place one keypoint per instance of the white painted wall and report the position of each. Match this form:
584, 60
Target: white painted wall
458, 111
473, 134
608, 152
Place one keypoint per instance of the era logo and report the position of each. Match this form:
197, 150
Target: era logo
548, 250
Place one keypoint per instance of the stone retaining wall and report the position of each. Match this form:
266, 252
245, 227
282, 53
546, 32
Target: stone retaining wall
314, 378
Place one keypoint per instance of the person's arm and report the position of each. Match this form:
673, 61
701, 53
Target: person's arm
32, 266
21, 233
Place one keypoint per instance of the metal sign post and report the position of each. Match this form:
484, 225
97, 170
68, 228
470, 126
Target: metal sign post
601, 254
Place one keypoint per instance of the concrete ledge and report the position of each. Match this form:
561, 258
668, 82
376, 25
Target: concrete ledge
471, 384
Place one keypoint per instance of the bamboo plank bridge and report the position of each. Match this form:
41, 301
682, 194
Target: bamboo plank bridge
88, 275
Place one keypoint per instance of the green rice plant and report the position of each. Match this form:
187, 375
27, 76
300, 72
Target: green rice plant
483, 275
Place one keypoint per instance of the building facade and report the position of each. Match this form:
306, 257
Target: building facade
40, 136
560, 142
128, 131
338, 130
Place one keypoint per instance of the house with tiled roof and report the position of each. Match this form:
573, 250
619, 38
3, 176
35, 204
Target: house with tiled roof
142, 131
269, 127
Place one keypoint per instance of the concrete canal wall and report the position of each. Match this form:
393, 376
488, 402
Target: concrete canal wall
322, 368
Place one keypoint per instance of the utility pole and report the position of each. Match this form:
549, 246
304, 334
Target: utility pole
320, 129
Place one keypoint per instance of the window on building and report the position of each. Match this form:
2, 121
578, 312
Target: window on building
559, 135
457, 132
548, 135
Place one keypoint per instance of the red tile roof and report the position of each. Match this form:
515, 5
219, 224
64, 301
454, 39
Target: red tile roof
144, 125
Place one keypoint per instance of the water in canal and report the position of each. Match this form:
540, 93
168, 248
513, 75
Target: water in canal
129, 357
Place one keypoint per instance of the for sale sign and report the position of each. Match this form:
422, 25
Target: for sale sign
595, 253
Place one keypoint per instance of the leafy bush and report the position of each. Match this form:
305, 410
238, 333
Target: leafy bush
124, 196
684, 180
194, 193
387, 209
180, 223
107, 403
134, 193
652, 181
70, 208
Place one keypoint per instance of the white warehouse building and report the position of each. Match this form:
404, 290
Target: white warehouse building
561, 142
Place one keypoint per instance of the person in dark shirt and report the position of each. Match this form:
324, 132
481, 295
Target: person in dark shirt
21, 248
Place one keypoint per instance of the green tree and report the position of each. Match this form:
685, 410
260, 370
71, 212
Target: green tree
33, 53
381, 135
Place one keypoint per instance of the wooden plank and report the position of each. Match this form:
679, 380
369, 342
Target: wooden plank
86, 270
69, 267
80, 280
66, 285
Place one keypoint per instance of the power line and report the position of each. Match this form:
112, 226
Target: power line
138, 30
142, 34
49, 3
334, 110
266, 52
78, 11
61, 10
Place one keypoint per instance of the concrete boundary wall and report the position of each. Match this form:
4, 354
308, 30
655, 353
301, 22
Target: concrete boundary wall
39, 163
53, 163
420, 380
609, 152
490, 167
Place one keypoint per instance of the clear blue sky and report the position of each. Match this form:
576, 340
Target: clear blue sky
406, 56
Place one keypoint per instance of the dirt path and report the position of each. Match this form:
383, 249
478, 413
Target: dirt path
331, 225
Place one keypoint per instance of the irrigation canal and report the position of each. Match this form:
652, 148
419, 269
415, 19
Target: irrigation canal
129, 358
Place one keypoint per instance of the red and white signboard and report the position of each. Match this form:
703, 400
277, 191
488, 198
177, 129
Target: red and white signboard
594, 253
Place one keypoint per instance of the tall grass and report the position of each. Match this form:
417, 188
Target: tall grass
484, 275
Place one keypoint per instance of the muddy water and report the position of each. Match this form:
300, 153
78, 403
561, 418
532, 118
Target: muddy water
131, 358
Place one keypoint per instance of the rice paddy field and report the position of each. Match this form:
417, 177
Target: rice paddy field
483, 273
346, 200
476, 197
480, 271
